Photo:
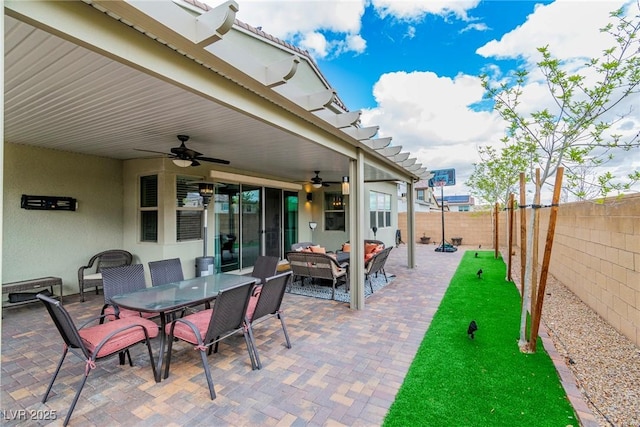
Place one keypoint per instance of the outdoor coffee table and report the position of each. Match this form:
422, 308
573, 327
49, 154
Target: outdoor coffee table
167, 299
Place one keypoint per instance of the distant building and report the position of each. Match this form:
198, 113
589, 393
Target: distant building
427, 201
463, 203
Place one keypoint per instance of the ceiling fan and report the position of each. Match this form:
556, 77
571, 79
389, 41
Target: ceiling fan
317, 182
185, 157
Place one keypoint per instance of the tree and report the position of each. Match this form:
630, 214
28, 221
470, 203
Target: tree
493, 179
576, 130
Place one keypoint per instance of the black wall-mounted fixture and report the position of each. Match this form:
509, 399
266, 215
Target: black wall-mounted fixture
48, 203
309, 197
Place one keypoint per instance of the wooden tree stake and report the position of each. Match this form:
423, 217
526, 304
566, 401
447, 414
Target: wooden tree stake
537, 311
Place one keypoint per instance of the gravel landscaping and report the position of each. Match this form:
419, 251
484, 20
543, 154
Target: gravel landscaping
605, 363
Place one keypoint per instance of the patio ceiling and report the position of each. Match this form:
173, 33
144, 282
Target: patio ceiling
60, 95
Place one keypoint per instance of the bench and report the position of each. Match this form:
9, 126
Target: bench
33, 285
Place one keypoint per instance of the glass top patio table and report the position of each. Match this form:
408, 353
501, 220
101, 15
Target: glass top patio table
173, 296
167, 299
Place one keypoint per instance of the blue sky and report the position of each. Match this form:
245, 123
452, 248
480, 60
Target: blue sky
444, 46
413, 67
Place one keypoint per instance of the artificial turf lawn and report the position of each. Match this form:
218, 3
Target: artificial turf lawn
458, 381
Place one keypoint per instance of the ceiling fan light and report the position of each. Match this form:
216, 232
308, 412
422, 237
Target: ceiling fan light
181, 163
317, 185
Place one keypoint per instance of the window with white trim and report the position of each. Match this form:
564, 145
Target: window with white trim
379, 209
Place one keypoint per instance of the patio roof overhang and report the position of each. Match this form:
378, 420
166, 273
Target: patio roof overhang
106, 78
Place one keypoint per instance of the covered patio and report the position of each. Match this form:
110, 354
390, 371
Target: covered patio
90, 85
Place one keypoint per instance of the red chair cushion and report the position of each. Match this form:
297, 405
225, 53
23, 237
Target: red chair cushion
253, 302
200, 319
91, 336
370, 247
125, 312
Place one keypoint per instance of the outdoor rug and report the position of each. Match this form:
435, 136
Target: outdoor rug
322, 288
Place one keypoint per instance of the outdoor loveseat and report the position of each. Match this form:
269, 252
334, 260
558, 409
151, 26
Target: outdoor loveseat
318, 266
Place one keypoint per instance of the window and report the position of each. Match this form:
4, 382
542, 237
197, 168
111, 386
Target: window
463, 208
379, 209
189, 209
334, 219
420, 195
149, 208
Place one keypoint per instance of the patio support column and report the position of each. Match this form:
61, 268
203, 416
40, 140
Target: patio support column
357, 212
411, 226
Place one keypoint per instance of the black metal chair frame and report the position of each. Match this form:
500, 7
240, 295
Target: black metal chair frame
269, 305
227, 318
73, 342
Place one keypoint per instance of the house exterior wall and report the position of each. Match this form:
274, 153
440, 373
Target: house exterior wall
38, 243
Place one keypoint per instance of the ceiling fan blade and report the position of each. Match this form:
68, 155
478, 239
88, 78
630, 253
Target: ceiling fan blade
194, 162
213, 160
156, 152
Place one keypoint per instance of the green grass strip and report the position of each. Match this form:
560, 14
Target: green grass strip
458, 381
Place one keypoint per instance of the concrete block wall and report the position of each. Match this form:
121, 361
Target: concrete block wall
596, 254
475, 228
596, 251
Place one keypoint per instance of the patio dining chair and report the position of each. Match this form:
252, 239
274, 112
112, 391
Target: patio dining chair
376, 265
206, 328
264, 304
118, 281
92, 343
165, 271
265, 266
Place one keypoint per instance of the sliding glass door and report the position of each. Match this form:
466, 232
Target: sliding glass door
252, 221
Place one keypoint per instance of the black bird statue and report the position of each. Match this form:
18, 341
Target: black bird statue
479, 273
476, 254
471, 330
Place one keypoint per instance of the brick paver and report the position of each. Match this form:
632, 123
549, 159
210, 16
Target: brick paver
344, 368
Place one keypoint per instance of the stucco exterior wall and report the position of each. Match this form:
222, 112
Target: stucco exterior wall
48, 243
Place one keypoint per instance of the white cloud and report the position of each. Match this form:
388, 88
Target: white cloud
315, 43
430, 117
475, 27
302, 22
415, 10
569, 28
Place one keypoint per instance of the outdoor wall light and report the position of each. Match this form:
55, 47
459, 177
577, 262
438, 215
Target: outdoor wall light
309, 197
313, 225
345, 185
